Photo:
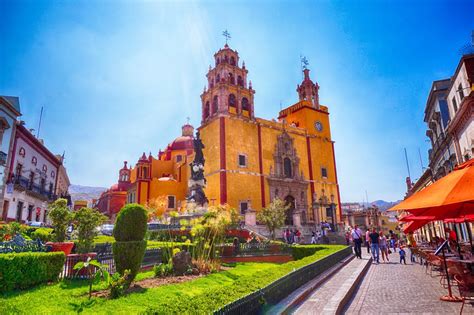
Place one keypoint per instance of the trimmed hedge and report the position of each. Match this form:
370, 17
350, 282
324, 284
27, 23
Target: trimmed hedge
131, 223
128, 255
302, 251
24, 270
44, 234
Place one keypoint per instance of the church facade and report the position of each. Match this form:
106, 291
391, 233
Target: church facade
249, 161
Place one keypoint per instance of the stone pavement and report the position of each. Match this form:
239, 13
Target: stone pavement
391, 288
327, 298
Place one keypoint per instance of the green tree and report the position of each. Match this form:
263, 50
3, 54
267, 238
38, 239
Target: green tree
87, 221
274, 215
60, 217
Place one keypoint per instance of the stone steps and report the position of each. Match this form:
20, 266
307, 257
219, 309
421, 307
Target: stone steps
328, 293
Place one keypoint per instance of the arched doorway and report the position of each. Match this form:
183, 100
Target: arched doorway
290, 201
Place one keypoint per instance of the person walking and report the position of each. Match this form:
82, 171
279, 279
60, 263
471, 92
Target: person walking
374, 244
383, 243
402, 255
313, 237
367, 241
318, 236
356, 234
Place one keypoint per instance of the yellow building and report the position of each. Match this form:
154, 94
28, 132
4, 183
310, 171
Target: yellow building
165, 176
250, 160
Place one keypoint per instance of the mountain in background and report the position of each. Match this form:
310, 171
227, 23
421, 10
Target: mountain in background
88, 193
382, 204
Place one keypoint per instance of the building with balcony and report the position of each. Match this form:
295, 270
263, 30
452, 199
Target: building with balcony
449, 116
9, 111
461, 108
33, 178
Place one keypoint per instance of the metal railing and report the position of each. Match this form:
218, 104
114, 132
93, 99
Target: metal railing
105, 256
281, 288
14, 246
26, 184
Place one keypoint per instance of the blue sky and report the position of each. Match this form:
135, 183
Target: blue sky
117, 78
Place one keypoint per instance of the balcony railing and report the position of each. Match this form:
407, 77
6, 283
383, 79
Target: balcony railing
24, 183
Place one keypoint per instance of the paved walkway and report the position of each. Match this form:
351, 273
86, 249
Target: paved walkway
391, 288
326, 298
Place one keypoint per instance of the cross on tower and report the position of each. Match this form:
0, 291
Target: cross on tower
226, 34
304, 62
187, 118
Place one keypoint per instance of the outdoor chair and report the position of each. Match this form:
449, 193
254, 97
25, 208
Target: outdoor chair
435, 264
465, 284
454, 268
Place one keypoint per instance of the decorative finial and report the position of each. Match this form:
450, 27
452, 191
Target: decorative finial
243, 64
187, 120
226, 34
250, 84
304, 63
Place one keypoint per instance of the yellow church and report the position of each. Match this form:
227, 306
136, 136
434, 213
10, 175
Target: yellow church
249, 160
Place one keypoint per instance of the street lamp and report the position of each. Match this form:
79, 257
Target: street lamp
333, 207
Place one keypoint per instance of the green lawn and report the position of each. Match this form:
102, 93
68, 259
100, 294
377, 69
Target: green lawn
202, 295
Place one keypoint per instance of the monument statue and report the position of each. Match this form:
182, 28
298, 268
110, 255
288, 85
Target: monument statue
197, 182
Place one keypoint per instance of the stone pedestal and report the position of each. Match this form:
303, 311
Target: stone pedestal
250, 217
297, 220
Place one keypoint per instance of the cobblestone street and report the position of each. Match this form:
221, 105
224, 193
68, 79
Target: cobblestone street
392, 288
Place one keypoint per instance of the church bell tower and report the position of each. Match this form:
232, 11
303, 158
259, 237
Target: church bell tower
227, 90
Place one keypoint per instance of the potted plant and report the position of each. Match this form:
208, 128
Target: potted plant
60, 217
86, 221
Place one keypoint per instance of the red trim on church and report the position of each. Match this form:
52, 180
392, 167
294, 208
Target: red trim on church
223, 177
310, 165
260, 165
337, 184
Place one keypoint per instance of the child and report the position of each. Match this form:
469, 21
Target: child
402, 255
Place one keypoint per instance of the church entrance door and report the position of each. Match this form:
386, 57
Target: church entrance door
290, 201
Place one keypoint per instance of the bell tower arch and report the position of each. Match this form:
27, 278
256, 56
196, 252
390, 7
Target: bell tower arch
227, 90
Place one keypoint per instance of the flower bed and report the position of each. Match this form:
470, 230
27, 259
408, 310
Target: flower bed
202, 295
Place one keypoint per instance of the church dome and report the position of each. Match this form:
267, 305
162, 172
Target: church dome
182, 143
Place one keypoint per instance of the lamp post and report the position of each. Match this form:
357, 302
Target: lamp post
333, 210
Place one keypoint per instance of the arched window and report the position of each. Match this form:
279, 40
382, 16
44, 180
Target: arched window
226, 59
240, 82
218, 79
231, 78
232, 101
217, 61
245, 104
206, 110
215, 104
232, 61
287, 167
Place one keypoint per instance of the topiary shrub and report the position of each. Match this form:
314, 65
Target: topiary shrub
24, 270
128, 256
44, 234
129, 232
131, 223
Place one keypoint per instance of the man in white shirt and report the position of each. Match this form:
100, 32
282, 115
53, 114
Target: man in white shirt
356, 234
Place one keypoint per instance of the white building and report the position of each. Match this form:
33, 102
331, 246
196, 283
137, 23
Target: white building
442, 155
461, 108
9, 111
33, 178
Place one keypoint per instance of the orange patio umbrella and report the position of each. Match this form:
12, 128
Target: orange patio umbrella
450, 197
